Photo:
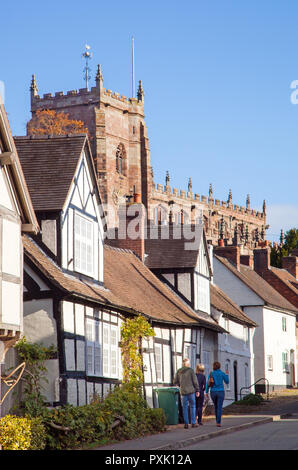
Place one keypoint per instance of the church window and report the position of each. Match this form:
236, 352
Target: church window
121, 159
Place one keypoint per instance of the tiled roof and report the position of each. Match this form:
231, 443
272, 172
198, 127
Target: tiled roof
49, 164
224, 304
129, 286
258, 285
169, 252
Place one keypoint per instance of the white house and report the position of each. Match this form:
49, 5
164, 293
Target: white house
235, 347
16, 217
274, 340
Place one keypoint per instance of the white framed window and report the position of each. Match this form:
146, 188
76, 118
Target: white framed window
102, 353
284, 323
190, 353
158, 362
270, 362
93, 347
110, 350
83, 245
285, 361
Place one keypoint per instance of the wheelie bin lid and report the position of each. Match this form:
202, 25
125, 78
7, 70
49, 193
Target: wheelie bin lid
167, 389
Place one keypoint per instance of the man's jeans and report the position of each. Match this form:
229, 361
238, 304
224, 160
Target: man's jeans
191, 399
218, 399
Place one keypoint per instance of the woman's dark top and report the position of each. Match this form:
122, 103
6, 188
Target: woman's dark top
202, 382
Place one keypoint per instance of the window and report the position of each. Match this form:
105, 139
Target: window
83, 245
158, 362
93, 347
120, 159
190, 353
284, 324
285, 362
101, 349
270, 362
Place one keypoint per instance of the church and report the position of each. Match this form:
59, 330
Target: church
121, 153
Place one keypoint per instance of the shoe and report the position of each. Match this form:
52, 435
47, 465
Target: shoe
200, 424
218, 425
185, 426
194, 425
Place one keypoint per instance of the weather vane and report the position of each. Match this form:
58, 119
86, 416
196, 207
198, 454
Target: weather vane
87, 56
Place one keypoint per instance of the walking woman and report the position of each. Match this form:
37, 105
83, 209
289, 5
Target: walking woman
200, 369
217, 389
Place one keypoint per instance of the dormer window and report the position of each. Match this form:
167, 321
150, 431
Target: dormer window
83, 245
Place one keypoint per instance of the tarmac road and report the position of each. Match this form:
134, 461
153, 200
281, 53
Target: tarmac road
277, 435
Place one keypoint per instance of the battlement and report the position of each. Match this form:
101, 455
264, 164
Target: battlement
83, 96
164, 192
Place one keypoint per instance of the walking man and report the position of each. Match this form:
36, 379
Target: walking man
189, 389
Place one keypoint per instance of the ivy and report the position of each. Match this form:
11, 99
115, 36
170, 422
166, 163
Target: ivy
34, 355
133, 331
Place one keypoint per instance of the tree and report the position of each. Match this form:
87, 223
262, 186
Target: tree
279, 251
49, 122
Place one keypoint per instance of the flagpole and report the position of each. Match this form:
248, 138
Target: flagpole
133, 69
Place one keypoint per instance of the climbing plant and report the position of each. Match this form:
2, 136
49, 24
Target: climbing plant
132, 332
34, 355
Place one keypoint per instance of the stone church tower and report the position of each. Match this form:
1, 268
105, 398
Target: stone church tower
121, 154
118, 138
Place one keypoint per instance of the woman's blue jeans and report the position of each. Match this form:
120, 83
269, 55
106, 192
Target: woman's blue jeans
191, 399
218, 399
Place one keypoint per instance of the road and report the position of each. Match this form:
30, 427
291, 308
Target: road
278, 435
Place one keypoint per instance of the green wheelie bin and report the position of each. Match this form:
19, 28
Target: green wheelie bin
168, 400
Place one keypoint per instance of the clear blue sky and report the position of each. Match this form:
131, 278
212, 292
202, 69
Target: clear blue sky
216, 77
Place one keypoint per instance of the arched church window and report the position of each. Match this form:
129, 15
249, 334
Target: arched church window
121, 159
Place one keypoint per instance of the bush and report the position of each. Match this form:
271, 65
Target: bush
250, 400
21, 433
91, 423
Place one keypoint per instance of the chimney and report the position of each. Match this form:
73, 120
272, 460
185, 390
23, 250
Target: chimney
131, 232
261, 259
232, 253
247, 260
290, 263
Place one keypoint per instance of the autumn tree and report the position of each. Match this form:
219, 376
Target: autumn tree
50, 122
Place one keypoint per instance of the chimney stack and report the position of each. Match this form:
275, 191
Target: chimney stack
230, 252
290, 263
261, 259
247, 260
131, 232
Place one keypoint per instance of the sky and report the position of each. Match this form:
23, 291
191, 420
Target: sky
216, 75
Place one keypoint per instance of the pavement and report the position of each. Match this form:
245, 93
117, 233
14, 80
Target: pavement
176, 437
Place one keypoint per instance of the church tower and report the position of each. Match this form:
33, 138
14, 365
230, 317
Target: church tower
118, 138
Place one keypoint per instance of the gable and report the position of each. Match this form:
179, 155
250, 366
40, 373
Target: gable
6, 194
237, 290
203, 262
82, 224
